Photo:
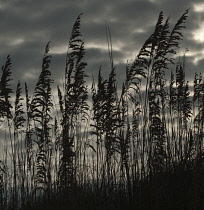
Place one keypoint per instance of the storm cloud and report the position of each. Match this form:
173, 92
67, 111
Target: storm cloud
27, 26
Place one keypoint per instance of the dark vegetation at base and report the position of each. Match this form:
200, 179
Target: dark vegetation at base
181, 189
141, 149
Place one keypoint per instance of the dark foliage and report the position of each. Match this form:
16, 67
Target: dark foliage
142, 149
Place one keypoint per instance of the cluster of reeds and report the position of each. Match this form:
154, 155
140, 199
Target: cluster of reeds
140, 149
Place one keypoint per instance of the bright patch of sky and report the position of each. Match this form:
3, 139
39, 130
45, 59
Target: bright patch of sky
102, 46
16, 41
91, 45
198, 34
31, 74
198, 7
59, 49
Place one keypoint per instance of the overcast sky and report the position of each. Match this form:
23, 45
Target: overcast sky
27, 26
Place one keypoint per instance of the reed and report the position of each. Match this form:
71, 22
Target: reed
139, 146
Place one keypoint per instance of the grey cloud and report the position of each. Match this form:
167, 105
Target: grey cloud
26, 27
